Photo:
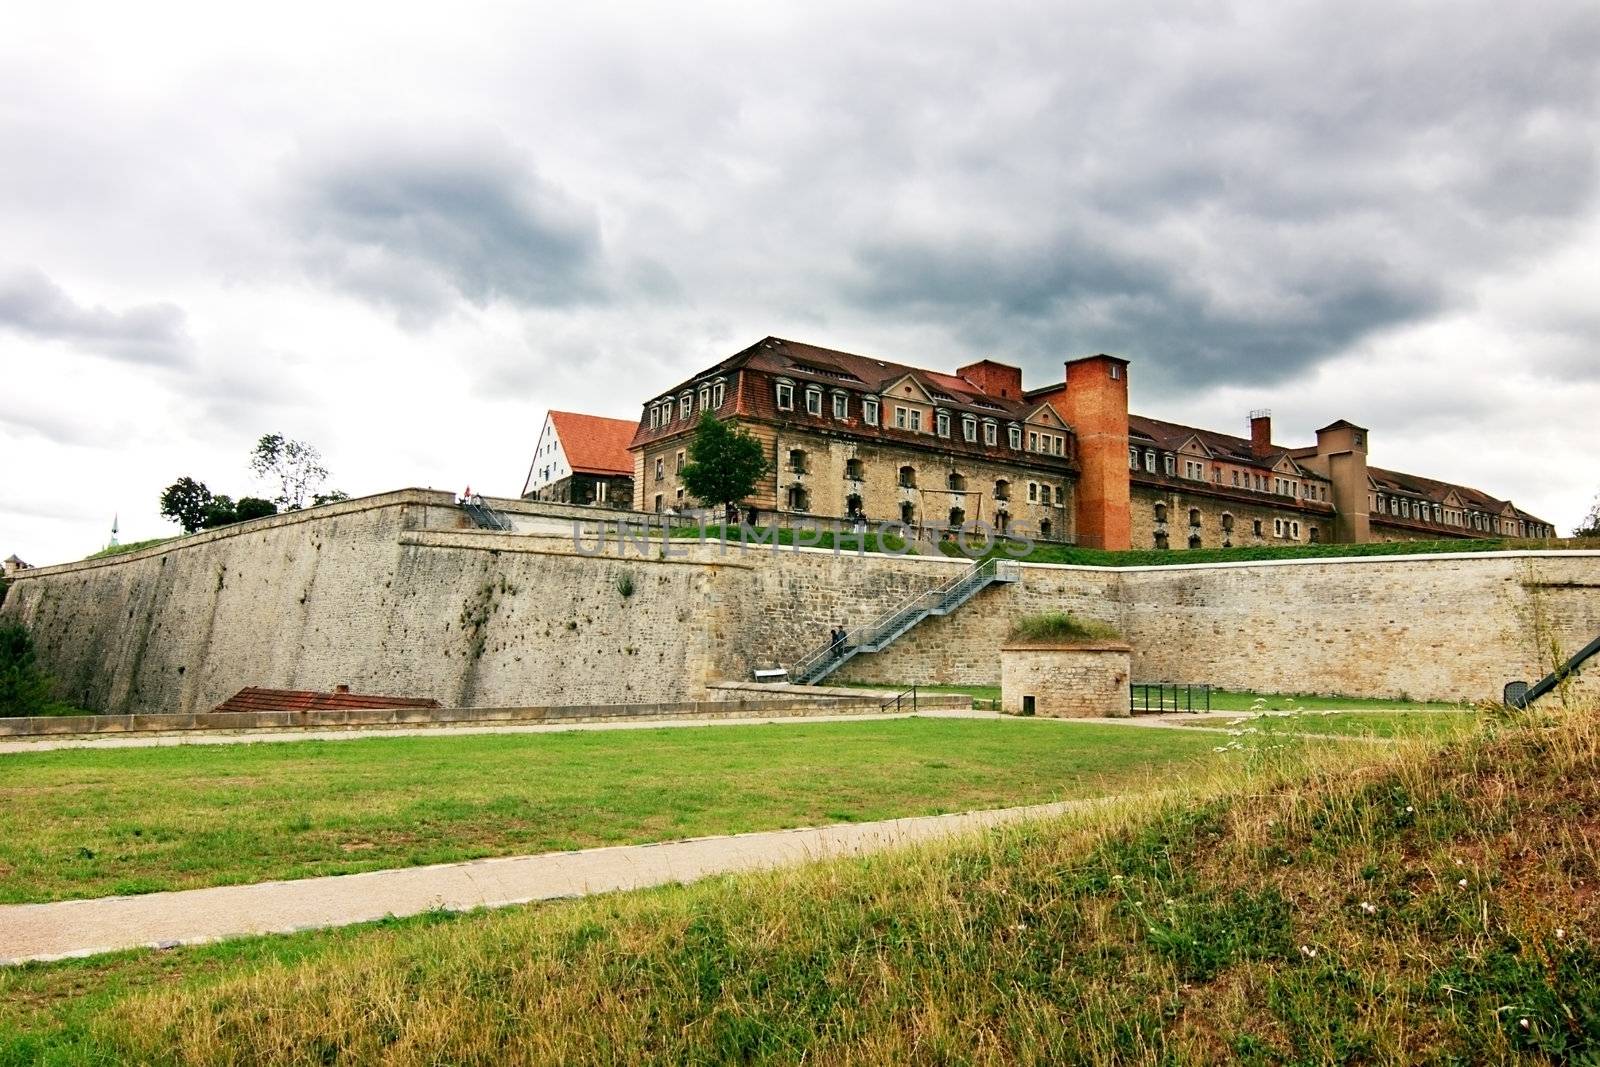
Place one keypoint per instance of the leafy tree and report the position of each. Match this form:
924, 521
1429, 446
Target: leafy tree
220, 511
332, 496
24, 688
253, 507
295, 466
1590, 527
724, 463
185, 502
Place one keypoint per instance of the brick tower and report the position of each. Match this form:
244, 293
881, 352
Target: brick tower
1095, 402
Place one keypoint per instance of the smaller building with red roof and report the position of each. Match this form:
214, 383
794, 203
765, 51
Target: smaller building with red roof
582, 459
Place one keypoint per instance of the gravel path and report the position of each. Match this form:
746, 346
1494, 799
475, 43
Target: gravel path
161, 920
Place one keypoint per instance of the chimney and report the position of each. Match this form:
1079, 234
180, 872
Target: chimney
1260, 433
993, 379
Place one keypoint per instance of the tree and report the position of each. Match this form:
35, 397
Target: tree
724, 463
253, 507
219, 512
1590, 527
24, 688
332, 496
185, 502
295, 466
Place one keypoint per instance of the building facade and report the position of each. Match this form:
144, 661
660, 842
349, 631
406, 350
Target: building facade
851, 436
582, 459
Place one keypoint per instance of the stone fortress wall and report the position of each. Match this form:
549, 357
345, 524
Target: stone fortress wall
398, 594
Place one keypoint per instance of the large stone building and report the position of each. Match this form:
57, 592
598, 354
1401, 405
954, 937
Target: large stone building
582, 459
852, 436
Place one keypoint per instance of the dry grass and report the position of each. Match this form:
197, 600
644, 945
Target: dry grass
1384, 904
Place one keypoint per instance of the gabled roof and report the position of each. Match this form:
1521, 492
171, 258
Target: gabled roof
252, 698
1172, 436
593, 444
1436, 491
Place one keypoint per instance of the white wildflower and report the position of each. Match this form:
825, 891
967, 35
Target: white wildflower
1369, 908
1308, 952
1522, 1023
1560, 933
1411, 811
1462, 883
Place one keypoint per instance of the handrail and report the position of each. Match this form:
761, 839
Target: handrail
899, 700
885, 624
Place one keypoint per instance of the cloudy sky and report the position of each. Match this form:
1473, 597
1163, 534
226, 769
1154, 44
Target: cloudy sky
404, 236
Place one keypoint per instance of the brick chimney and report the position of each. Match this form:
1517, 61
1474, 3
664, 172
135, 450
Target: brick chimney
993, 379
1261, 433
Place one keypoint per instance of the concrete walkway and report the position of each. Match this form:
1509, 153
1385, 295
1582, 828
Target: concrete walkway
161, 920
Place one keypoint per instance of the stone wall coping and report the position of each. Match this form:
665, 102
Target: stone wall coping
1071, 646
1398, 557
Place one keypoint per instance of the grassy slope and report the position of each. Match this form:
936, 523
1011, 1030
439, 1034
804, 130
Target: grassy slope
1439, 905
1093, 557
94, 822
1221, 699
1370, 723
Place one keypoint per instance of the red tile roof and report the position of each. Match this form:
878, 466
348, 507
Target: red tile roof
593, 444
252, 698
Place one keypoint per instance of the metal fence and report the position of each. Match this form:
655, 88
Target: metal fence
1157, 697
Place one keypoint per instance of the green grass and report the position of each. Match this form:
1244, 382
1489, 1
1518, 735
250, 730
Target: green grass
92, 822
1368, 723
131, 546
1049, 626
1221, 699
1411, 903
1093, 557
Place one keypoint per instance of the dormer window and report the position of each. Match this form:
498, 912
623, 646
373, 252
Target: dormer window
941, 423
705, 396
1150, 460
991, 433
1133, 459
785, 393
813, 400
685, 406
1058, 445
841, 406
1014, 437
718, 393
969, 429
869, 411
655, 416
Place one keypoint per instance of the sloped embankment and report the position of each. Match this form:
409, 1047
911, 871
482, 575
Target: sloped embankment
1440, 907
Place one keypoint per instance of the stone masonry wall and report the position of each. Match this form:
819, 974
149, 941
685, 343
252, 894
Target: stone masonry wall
1066, 681
396, 594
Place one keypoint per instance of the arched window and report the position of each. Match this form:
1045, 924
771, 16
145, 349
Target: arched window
908, 477
1161, 513
1161, 539
852, 505
799, 499
969, 428
1194, 517
797, 460
1044, 530
956, 482
1002, 490
852, 469
1227, 522
941, 423
1194, 540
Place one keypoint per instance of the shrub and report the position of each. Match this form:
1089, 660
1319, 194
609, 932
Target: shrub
24, 688
1060, 626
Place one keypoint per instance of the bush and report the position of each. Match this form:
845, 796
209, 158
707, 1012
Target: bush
1060, 626
24, 688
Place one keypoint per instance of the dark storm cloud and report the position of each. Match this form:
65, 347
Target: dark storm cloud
417, 226
152, 334
1248, 199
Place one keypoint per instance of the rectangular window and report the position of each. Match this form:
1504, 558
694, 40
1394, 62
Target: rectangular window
1057, 444
869, 412
785, 396
1014, 434
1133, 459
900, 417
680, 460
1061, 496
1033, 441
1116, 372
1033, 491
941, 423
814, 401
685, 406
969, 430
661, 467
916, 420
705, 397
655, 417
991, 434
841, 406
1150, 461
717, 395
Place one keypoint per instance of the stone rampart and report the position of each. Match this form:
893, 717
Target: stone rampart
398, 594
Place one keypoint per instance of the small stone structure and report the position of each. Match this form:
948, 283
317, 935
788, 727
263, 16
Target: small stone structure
1079, 679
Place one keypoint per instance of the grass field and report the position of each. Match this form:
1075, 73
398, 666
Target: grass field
1368, 723
1354, 903
77, 823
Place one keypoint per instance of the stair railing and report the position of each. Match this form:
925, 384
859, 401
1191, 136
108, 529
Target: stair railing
898, 617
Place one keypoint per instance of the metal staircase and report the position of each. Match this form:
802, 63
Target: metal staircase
483, 516
1520, 694
886, 629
